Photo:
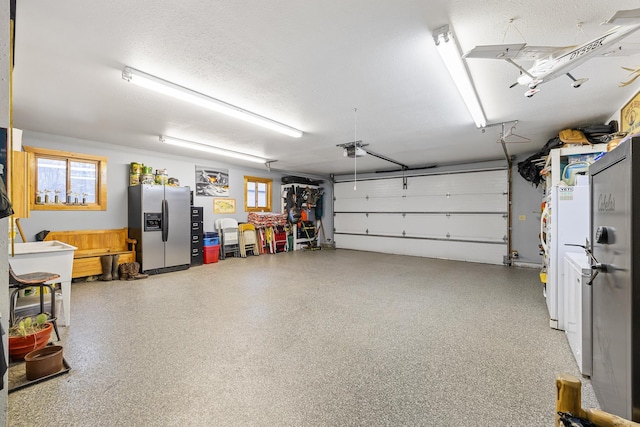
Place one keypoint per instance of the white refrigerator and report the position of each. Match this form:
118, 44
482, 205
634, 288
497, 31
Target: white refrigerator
565, 221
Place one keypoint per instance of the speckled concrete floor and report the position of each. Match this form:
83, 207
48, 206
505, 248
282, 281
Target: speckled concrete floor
325, 338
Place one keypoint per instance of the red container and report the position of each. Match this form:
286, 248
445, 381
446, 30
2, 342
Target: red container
20, 346
211, 254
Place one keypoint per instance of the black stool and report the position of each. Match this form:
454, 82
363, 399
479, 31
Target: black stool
22, 281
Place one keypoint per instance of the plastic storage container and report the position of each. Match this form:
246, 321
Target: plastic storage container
210, 238
213, 241
211, 254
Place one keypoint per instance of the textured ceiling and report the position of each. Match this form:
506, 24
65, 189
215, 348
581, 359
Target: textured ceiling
306, 64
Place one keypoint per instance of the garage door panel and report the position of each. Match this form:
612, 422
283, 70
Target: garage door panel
472, 252
457, 226
384, 204
387, 187
461, 183
478, 227
455, 216
386, 224
476, 191
349, 205
350, 223
454, 203
427, 186
432, 226
475, 203
368, 243
479, 182
439, 203
464, 183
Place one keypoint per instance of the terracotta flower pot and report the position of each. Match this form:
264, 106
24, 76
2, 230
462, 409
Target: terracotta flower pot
43, 361
20, 346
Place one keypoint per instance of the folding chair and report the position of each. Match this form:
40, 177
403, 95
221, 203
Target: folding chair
280, 239
248, 240
229, 239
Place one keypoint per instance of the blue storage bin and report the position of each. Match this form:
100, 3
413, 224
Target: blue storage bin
212, 241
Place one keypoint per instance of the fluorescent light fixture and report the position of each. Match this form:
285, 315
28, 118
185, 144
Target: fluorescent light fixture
448, 49
210, 149
179, 92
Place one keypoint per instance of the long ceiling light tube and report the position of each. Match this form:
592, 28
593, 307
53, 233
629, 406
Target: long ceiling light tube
192, 145
165, 87
447, 47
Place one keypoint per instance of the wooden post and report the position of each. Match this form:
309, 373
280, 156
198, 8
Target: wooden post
22, 236
569, 396
605, 419
569, 399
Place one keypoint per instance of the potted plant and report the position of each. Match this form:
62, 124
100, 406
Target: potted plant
29, 334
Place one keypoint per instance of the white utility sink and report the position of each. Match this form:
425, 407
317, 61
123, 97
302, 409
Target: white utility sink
51, 257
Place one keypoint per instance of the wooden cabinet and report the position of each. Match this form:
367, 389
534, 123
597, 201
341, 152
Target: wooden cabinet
19, 184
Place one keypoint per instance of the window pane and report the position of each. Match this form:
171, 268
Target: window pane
84, 181
73, 179
257, 194
262, 194
251, 194
52, 178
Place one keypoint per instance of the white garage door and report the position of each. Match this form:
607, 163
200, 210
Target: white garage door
460, 216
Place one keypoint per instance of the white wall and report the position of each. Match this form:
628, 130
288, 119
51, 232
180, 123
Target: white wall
119, 160
525, 208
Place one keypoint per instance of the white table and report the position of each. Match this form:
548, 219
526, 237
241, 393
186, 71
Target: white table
52, 257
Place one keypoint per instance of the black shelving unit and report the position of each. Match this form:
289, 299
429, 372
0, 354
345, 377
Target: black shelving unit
196, 235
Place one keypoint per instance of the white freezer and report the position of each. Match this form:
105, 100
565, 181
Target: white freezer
577, 308
568, 222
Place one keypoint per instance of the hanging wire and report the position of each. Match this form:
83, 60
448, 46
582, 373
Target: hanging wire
515, 27
579, 30
355, 146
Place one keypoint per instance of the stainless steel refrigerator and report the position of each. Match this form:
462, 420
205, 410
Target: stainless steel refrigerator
615, 241
160, 220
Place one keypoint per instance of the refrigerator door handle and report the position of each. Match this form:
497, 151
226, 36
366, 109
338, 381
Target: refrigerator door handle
165, 220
